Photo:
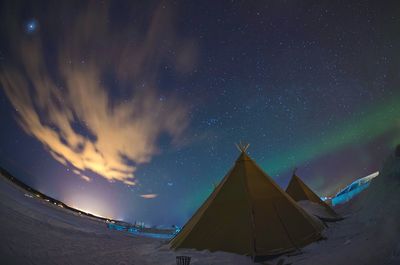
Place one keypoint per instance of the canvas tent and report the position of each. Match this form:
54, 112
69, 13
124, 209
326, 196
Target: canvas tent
310, 201
248, 213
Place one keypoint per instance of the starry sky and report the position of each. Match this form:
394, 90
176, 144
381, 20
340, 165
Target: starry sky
131, 110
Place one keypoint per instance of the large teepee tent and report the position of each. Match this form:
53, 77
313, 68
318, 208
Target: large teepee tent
248, 213
301, 193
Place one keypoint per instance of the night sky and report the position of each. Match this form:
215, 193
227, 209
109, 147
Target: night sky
131, 110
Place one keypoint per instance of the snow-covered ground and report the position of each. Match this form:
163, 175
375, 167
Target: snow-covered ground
35, 232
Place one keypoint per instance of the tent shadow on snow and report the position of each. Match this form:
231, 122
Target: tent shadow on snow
249, 214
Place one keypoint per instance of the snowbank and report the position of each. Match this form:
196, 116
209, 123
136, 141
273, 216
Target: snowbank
33, 231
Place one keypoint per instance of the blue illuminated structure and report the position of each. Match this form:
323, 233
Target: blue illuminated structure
117, 227
353, 189
139, 232
135, 231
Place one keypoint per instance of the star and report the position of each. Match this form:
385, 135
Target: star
31, 26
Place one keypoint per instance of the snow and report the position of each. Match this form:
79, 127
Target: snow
36, 232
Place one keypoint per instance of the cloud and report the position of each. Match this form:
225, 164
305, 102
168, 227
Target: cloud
149, 196
91, 95
84, 177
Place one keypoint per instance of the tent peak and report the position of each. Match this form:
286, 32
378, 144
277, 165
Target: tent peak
242, 147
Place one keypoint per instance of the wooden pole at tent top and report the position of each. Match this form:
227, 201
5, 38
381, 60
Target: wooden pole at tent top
242, 147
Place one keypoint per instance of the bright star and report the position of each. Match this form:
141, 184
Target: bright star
31, 26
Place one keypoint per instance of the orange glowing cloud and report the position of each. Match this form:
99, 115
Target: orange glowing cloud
149, 196
76, 115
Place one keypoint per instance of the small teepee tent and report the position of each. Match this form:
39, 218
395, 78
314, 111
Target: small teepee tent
248, 213
310, 201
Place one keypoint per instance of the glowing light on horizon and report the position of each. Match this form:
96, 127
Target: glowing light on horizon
84, 210
93, 204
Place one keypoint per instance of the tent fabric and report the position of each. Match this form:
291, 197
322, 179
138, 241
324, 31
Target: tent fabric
317, 210
299, 191
249, 214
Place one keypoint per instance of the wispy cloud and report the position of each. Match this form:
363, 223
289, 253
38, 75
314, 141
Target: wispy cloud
91, 98
84, 177
149, 196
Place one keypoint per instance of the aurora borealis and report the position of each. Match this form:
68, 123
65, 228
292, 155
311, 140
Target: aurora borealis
132, 110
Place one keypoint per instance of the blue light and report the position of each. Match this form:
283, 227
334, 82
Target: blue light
349, 193
136, 231
151, 235
117, 227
